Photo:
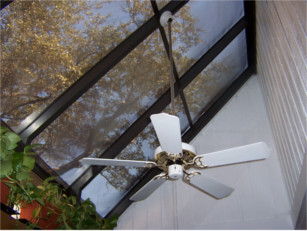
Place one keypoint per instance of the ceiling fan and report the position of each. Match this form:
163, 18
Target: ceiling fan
176, 159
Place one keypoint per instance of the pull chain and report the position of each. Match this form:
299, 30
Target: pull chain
171, 77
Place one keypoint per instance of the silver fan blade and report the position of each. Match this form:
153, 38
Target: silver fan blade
210, 186
251, 152
148, 188
115, 162
167, 128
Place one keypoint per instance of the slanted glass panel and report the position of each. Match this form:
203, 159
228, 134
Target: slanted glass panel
47, 45
107, 109
114, 182
217, 76
198, 26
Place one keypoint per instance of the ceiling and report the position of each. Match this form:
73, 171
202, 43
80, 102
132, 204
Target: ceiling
83, 77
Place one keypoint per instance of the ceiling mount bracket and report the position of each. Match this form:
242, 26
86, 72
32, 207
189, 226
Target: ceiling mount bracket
165, 17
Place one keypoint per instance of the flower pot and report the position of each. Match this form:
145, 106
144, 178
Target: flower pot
4, 193
26, 212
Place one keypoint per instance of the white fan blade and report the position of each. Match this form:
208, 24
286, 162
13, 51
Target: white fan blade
115, 162
148, 188
251, 152
167, 128
210, 186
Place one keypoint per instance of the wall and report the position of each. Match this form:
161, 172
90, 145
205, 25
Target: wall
281, 57
259, 200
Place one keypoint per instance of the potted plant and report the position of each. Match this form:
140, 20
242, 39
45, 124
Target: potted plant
44, 205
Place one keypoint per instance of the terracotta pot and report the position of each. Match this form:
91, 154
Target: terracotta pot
4, 193
26, 212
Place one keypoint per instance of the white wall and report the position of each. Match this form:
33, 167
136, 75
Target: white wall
260, 198
282, 68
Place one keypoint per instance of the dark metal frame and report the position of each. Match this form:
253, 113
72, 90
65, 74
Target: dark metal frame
41, 121
5, 3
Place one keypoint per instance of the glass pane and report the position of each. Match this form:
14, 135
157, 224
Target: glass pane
198, 26
105, 111
47, 45
217, 76
114, 182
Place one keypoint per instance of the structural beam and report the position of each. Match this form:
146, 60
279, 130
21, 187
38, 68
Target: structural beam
140, 124
56, 108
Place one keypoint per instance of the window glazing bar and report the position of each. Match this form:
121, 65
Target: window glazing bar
187, 137
39, 123
166, 46
140, 124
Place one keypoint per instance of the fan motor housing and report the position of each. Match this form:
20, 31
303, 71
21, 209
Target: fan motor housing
175, 171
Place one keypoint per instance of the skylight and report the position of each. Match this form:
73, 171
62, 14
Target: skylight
83, 77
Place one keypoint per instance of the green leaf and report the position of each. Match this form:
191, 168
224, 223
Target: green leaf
40, 200
17, 159
47, 180
22, 176
28, 148
4, 153
6, 168
36, 212
3, 130
13, 140
28, 162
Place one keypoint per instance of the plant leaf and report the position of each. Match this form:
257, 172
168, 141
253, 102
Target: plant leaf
22, 176
6, 168
3, 130
51, 178
13, 140
36, 211
28, 148
28, 162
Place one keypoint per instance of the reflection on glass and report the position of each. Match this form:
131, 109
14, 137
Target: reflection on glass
107, 109
213, 80
113, 182
198, 26
47, 45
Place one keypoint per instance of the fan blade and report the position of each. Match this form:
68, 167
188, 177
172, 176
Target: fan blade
115, 162
148, 188
210, 186
251, 152
167, 128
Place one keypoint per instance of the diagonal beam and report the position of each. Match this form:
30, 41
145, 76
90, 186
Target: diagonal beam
56, 108
214, 107
166, 46
124, 203
5, 3
140, 124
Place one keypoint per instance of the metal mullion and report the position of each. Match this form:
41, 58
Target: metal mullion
209, 56
140, 124
5, 3
166, 46
67, 98
250, 12
215, 107
124, 203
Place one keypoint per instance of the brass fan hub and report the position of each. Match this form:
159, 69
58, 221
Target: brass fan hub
164, 159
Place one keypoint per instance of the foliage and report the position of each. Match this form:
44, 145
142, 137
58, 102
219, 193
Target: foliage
15, 173
82, 216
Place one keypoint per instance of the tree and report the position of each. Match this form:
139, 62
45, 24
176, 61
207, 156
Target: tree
47, 45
